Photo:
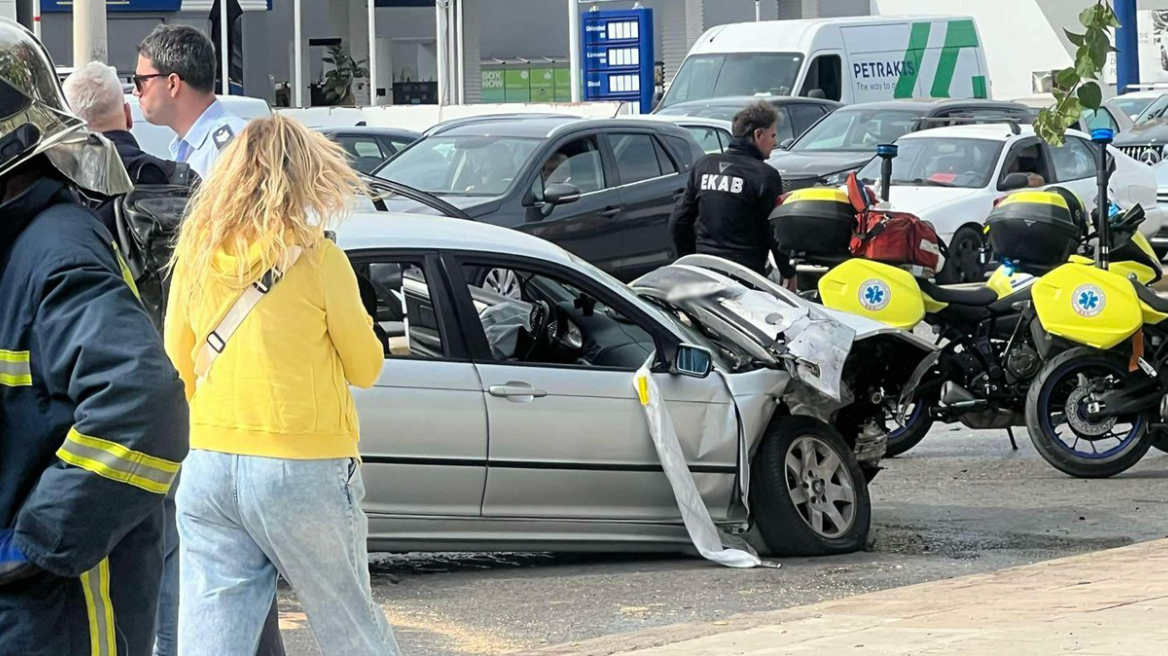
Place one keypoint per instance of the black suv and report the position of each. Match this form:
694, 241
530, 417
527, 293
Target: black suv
846, 139
601, 188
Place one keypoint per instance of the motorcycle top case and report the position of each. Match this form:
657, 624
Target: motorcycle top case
1033, 228
816, 221
874, 290
1087, 305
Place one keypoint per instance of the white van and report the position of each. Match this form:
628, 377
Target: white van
852, 60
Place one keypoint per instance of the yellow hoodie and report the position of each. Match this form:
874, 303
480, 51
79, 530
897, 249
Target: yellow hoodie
279, 387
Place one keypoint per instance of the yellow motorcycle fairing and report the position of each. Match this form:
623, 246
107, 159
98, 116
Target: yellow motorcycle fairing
874, 290
1087, 305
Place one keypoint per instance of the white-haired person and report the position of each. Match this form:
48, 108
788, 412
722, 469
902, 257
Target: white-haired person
95, 95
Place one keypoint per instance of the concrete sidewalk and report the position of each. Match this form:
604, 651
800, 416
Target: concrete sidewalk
1107, 603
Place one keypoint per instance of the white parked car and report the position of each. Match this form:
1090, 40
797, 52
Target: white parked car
155, 139
951, 177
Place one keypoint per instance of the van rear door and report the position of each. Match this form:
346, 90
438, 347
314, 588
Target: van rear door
915, 59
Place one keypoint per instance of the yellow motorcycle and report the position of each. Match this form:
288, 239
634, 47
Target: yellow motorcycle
987, 356
1102, 334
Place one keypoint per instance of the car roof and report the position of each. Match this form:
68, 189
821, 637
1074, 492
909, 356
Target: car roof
367, 129
929, 105
743, 101
682, 120
542, 126
1154, 92
378, 230
991, 131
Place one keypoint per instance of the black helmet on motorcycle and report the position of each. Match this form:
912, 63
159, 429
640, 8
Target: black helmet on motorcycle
35, 119
1077, 208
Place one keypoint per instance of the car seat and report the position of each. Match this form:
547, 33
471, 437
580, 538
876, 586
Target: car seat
369, 301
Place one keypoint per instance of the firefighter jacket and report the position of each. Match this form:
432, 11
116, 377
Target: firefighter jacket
93, 426
726, 208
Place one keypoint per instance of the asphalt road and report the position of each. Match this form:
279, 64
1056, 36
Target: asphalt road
960, 503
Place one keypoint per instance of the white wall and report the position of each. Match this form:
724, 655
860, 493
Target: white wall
1016, 35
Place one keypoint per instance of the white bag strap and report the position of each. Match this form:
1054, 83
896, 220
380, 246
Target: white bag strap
217, 340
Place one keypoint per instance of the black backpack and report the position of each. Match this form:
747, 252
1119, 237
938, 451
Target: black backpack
147, 221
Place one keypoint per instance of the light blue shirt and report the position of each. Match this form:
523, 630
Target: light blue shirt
207, 138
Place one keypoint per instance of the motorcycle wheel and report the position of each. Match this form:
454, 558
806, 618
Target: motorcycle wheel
909, 434
1059, 428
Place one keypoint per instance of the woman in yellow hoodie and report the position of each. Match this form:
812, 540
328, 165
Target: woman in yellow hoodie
273, 482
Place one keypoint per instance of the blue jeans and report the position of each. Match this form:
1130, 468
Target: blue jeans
165, 641
241, 520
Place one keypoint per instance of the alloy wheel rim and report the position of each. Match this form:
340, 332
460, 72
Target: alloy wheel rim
1070, 428
820, 486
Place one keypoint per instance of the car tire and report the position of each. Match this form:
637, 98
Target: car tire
963, 263
787, 502
1066, 373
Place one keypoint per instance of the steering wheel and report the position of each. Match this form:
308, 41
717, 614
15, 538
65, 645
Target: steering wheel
541, 315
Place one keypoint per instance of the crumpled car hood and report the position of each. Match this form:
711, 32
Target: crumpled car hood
774, 326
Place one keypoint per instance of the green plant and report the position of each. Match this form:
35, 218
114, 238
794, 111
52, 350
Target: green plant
338, 83
1077, 88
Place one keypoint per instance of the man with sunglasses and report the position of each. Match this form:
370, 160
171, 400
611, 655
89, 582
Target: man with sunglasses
175, 86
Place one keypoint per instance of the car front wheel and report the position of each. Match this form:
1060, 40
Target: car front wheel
808, 494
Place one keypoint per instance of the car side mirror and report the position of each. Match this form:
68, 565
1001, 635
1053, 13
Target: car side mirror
560, 194
1014, 181
692, 361
785, 144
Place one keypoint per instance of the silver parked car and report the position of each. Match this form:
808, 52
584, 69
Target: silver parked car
507, 419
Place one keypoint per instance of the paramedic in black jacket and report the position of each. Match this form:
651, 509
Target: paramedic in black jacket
729, 197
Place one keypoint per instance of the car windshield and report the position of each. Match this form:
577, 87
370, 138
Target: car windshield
464, 165
1133, 107
694, 336
858, 129
939, 162
1154, 111
739, 74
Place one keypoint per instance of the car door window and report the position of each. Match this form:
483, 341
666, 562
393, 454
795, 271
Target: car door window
1074, 160
636, 157
534, 318
783, 128
824, 74
1093, 119
366, 152
576, 163
803, 117
708, 139
1028, 157
663, 160
396, 294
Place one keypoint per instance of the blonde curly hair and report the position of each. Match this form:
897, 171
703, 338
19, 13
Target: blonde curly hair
276, 186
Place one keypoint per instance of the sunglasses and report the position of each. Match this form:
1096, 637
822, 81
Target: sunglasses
140, 80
